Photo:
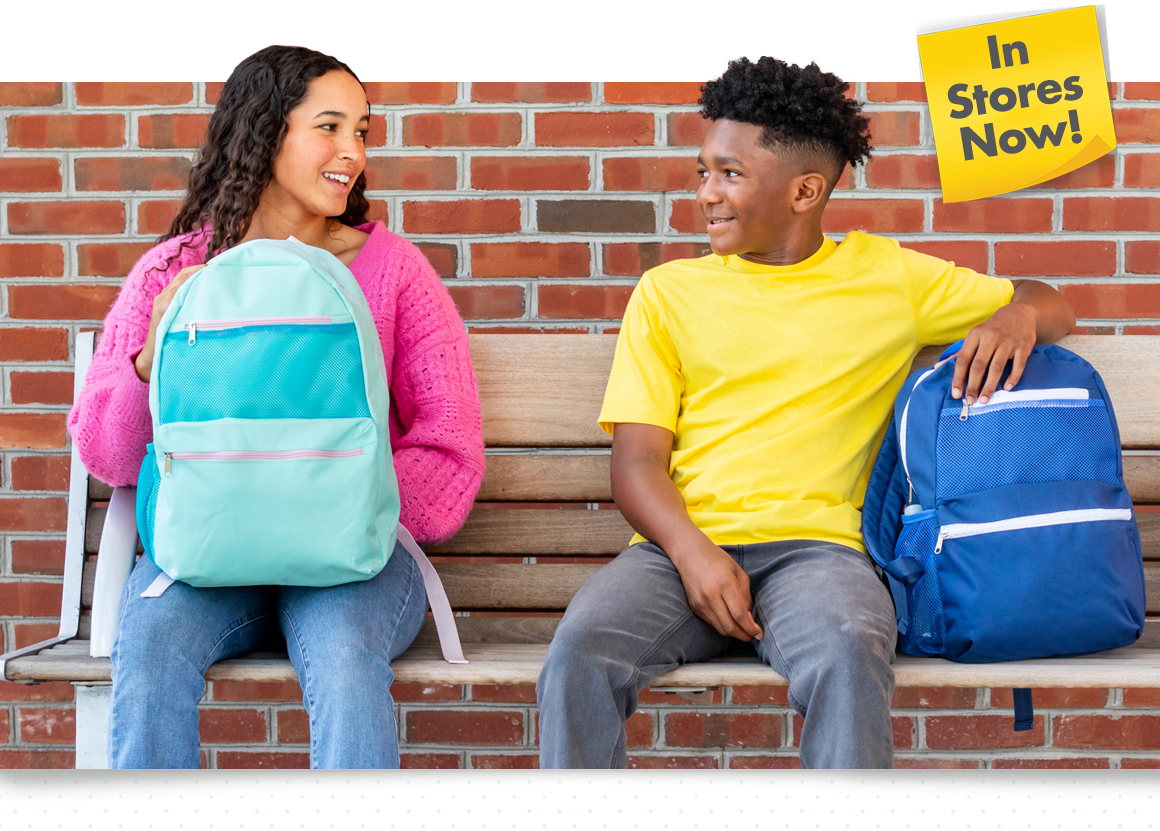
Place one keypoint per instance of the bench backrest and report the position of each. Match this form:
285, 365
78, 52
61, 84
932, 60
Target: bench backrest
543, 521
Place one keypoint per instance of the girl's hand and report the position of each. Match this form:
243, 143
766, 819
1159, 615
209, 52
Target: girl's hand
144, 360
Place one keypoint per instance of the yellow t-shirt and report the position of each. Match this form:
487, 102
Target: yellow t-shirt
777, 381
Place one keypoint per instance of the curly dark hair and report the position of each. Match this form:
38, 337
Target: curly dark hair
246, 130
802, 110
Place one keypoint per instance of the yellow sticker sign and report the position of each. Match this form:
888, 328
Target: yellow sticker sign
1016, 102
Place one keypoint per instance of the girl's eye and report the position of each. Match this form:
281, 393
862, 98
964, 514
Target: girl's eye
330, 127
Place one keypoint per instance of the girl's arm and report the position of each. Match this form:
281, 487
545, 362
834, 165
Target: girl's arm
437, 438
110, 420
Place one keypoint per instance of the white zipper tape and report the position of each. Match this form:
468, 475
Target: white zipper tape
902, 424
1004, 400
1059, 393
972, 529
238, 322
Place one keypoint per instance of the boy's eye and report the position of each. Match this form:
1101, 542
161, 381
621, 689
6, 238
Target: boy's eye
702, 173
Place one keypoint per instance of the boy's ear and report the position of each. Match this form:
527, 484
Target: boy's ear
809, 192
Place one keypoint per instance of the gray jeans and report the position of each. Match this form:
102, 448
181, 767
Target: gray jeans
829, 629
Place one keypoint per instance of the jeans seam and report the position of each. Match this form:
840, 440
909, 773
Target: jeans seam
307, 687
415, 573
636, 665
234, 628
772, 640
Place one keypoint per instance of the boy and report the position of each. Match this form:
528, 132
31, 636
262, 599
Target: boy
747, 401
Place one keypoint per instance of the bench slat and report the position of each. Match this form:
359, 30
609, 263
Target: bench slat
547, 478
534, 532
1130, 367
1142, 476
543, 391
512, 585
1135, 666
525, 586
494, 630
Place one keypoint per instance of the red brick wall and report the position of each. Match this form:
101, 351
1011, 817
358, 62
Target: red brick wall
540, 204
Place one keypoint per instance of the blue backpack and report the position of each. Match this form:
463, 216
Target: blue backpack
1005, 530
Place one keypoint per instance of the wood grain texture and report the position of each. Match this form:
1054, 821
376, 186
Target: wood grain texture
512, 586
542, 392
547, 478
533, 532
1142, 476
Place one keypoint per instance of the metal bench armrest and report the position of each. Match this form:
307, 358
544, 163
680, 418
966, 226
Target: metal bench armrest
115, 558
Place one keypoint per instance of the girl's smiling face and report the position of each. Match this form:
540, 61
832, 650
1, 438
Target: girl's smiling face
323, 151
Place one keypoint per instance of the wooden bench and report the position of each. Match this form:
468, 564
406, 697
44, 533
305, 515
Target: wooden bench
543, 523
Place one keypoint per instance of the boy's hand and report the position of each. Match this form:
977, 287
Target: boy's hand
1009, 334
1037, 313
717, 588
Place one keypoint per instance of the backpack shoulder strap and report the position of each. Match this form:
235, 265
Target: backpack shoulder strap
885, 500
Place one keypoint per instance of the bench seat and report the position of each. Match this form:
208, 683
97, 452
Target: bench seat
491, 663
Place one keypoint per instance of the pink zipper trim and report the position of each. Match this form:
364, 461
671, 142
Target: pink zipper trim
233, 323
261, 455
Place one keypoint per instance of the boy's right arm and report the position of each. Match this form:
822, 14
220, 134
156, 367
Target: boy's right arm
717, 588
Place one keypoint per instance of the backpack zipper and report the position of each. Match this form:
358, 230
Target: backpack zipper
972, 529
254, 456
1002, 397
237, 322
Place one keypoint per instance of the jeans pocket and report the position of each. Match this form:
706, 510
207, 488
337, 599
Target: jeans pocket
925, 623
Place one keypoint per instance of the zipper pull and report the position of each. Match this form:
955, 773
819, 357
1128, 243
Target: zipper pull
192, 327
962, 414
942, 535
169, 464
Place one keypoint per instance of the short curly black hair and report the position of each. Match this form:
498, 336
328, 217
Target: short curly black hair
802, 110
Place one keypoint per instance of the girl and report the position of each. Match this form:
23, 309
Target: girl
285, 155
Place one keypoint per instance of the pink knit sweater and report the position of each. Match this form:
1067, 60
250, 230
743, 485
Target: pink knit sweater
436, 435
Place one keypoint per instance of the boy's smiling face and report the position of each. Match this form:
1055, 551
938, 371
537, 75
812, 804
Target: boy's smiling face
748, 194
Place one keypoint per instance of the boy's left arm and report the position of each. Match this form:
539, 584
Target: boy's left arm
1037, 313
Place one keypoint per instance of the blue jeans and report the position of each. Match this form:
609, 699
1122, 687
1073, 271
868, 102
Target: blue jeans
829, 630
341, 640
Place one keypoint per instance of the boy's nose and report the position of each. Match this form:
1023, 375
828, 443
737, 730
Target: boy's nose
708, 192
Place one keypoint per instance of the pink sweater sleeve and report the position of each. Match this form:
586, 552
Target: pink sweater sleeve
110, 420
438, 440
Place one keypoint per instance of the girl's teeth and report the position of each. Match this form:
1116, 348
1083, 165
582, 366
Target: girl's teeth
337, 177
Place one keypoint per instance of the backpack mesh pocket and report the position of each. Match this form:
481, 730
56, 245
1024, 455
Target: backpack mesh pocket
926, 626
1057, 441
264, 371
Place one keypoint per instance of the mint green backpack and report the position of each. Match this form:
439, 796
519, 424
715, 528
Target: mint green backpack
271, 459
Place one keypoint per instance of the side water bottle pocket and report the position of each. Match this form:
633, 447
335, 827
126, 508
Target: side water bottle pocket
915, 576
147, 485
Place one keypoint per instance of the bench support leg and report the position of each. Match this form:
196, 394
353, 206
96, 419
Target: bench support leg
93, 725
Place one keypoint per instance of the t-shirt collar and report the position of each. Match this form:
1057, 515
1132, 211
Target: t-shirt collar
741, 264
